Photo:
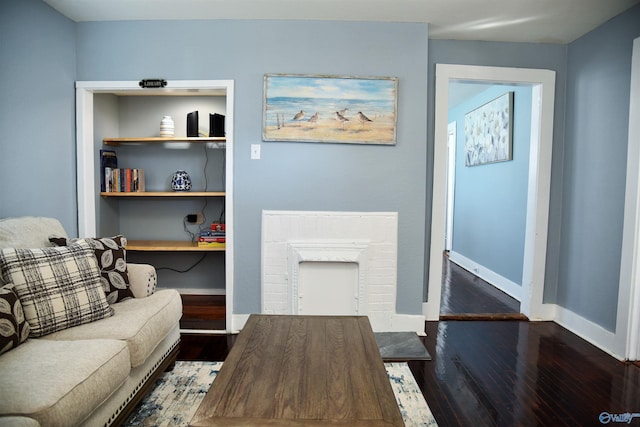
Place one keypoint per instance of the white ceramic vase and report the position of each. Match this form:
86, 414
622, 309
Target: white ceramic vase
167, 128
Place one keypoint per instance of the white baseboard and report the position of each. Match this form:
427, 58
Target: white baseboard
591, 332
505, 285
399, 323
239, 320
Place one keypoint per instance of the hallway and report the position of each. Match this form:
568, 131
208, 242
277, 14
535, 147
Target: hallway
467, 297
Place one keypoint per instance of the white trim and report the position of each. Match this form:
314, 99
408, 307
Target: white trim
84, 164
239, 320
229, 215
85, 153
507, 286
587, 330
399, 323
350, 251
451, 182
204, 331
539, 180
628, 319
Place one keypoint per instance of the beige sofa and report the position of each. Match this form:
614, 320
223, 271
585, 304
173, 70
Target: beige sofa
92, 374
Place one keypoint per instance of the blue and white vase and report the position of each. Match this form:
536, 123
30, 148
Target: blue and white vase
181, 181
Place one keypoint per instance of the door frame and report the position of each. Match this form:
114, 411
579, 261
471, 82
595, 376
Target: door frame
543, 95
627, 334
451, 183
87, 149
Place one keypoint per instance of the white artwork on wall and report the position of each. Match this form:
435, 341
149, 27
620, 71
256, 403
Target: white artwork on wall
488, 132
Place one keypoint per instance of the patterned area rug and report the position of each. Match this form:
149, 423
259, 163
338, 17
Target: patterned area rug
177, 395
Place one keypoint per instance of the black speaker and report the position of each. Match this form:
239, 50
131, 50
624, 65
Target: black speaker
216, 125
192, 124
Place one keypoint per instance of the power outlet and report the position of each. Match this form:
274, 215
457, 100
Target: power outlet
195, 218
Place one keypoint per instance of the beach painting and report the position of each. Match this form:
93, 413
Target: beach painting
334, 109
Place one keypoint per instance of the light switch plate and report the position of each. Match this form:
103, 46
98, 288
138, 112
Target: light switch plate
255, 151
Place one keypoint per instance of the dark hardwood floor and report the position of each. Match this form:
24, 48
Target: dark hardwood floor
467, 297
203, 312
510, 373
507, 373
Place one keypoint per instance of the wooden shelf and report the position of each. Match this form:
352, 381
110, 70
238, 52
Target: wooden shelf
219, 141
170, 246
164, 194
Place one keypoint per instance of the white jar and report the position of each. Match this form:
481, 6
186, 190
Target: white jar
167, 128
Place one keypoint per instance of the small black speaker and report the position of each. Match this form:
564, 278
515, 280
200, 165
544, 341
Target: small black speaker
192, 124
216, 125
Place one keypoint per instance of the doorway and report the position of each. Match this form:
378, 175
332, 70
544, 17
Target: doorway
543, 85
483, 260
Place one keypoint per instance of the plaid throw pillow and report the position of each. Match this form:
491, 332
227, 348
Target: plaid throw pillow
58, 287
14, 329
112, 260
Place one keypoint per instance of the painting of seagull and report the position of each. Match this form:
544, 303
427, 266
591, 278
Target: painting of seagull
340, 109
363, 118
341, 118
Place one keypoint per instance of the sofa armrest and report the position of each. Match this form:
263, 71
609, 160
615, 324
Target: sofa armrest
143, 279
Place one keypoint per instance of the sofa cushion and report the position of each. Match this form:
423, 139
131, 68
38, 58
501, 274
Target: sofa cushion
14, 329
12, 421
60, 383
112, 260
59, 287
141, 322
29, 232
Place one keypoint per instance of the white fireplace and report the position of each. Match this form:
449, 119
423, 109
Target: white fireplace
333, 263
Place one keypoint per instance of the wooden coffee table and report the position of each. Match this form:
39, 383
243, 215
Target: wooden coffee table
301, 371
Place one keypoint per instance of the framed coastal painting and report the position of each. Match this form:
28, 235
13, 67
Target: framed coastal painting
334, 109
488, 132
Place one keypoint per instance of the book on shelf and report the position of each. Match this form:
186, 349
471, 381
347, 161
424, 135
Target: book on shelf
216, 237
124, 180
211, 244
108, 159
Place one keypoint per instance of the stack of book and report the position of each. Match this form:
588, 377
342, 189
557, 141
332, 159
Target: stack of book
116, 180
124, 180
216, 237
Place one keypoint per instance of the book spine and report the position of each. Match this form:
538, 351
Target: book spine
128, 180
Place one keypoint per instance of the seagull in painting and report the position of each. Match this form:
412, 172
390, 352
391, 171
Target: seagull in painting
313, 118
341, 118
299, 116
363, 118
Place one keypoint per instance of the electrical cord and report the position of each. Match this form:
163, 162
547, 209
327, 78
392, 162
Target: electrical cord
186, 229
206, 201
188, 269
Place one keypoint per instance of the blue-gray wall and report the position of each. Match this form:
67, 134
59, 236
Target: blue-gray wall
490, 205
37, 113
596, 136
297, 176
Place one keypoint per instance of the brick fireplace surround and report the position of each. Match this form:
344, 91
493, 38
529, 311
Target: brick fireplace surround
333, 263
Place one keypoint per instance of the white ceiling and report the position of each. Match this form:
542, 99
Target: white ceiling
543, 21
